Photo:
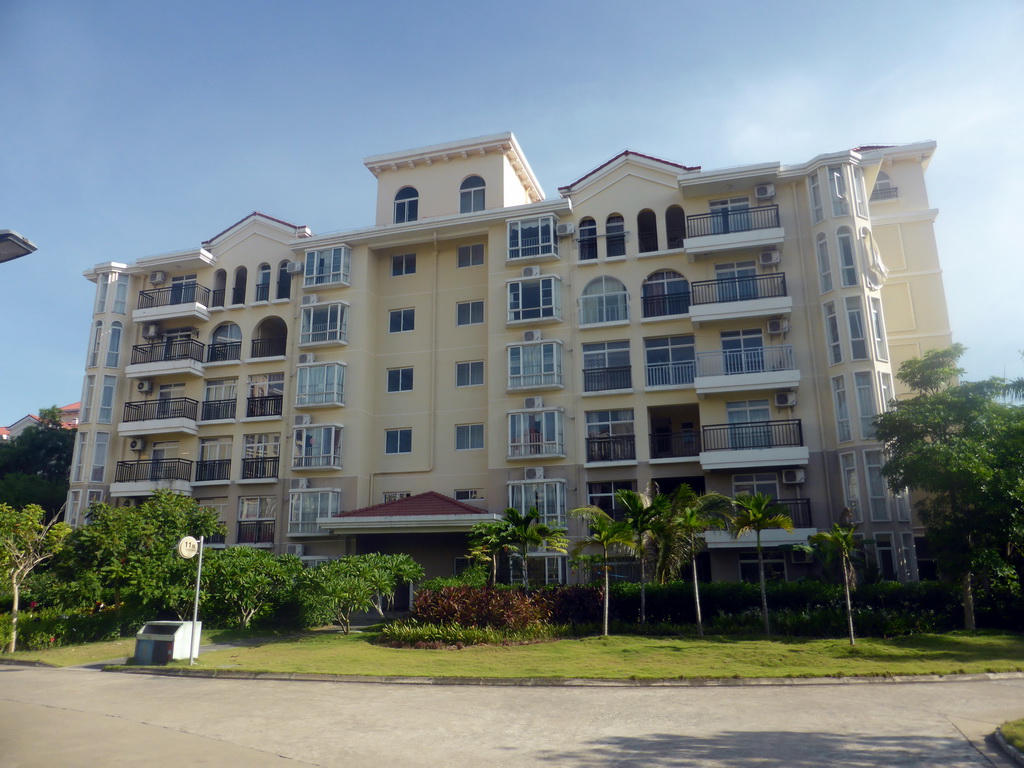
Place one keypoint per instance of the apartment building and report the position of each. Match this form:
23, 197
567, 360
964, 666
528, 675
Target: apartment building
481, 346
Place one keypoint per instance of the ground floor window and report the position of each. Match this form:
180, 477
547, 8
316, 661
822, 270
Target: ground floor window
774, 566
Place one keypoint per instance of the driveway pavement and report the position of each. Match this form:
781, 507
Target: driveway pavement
81, 718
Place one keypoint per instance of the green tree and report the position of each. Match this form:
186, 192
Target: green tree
840, 543
960, 444
755, 514
642, 512
26, 540
526, 531
241, 583
487, 541
608, 534
34, 466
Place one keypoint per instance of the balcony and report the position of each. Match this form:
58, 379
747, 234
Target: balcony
218, 410
675, 445
885, 193
257, 532
611, 448
739, 370
535, 378
268, 406
729, 229
604, 379
273, 347
224, 352
217, 298
753, 444
317, 461
155, 417
174, 356
739, 298
676, 374
141, 478
178, 302
666, 305
214, 471
261, 468
263, 292
536, 447
799, 510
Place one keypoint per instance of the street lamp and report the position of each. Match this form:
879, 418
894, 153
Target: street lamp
13, 246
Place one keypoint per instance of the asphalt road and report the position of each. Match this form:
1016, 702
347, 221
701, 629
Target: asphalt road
82, 718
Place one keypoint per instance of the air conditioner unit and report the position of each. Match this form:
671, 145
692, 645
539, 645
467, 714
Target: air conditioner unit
137, 444
531, 335
303, 420
144, 386
309, 299
295, 267
294, 549
778, 326
534, 402
533, 473
564, 230
764, 191
307, 357
785, 399
801, 557
793, 476
768, 258
531, 271
151, 331
299, 483
157, 277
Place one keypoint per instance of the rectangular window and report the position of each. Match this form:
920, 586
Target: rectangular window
885, 389
535, 365
471, 255
398, 441
547, 497
79, 460
88, 390
824, 263
106, 410
876, 486
102, 284
469, 374
469, 437
306, 507
265, 445
859, 195
321, 385
878, 328
832, 332
324, 323
837, 187
532, 237
403, 264
606, 366
884, 553
669, 361
851, 485
401, 320
602, 495
399, 379
219, 399
99, 457
864, 382
114, 345
389, 496
847, 258
843, 431
610, 435
535, 433
469, 313
74, 507
855, 318
535, 299
817, 210
909, 554
317, 447
120, 294
257, 508
469, 494
328, 266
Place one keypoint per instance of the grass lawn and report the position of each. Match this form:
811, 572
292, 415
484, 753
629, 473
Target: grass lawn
1013, 732
72, 655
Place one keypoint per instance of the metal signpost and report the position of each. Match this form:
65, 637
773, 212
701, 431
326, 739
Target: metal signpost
188, 547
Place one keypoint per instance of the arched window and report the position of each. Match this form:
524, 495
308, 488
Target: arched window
666, 293
225, 343
407, 205
588, 239
604, 300
220, 284
114, 345
284, 281
238, 292
471, 195
884, 189
263, 283
94, 343
615, 235
824, 262
675, 226
647, 231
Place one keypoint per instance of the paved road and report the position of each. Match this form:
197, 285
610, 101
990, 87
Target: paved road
82, 718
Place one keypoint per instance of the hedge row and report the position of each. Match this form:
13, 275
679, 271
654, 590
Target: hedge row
506, 609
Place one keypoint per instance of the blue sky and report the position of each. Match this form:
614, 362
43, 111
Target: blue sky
137, 128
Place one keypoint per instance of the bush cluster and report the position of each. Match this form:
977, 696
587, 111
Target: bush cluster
505, 609
49, 627
414, 634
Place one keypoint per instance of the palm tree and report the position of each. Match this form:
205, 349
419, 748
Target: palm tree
679, 536
642, 513
840, 542
527, 531
610, 535
755, 514
487, 541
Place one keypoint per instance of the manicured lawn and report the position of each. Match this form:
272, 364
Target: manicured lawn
1013, 732
72, 655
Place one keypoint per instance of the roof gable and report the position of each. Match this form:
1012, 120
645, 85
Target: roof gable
626, 157
290, 231
422, 504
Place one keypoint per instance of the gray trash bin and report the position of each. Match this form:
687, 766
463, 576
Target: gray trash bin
159, 642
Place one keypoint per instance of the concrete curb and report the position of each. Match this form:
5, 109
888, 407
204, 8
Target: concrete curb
1011, 751
26, 663
567, 682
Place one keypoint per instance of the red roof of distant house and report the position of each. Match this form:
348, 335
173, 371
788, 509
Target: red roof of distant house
627, 153
4, 433
420, 505
249, 216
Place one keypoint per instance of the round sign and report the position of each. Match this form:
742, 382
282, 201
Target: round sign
188, 547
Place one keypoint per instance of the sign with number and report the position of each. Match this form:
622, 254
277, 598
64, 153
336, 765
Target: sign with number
188, 547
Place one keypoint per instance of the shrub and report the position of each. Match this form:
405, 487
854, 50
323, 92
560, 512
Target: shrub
570, 604
48, 628
474, 576
508, 609
411, 633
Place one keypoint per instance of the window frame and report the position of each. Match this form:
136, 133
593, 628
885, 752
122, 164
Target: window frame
544, 368
328, 266
320, 459
549, 295
469, 373
471, 255
404, 316
474, 311
470, 435
472, 198
403, 264
406, 205
327, 389
547, 240
400, 379
548, 423
398, 441
336, 326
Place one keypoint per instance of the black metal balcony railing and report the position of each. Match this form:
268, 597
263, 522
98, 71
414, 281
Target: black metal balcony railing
270, 405
187, 293
171, 408
238, 294
217, 538
725, 221
273, 347
218, 409
217, 298
256, 532
755, 434
600, 379
284, 288
613, 448
263, 292
666, 304
260, 468
223, 351
799, 510
216, 469
175, 349
153, 470
739, 288
588, 248
675, 445
887, 193
647, 241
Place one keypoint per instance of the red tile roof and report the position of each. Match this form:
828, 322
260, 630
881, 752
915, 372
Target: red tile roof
627, 153
421, 505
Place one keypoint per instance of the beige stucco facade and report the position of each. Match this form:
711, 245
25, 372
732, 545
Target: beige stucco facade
735, 330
